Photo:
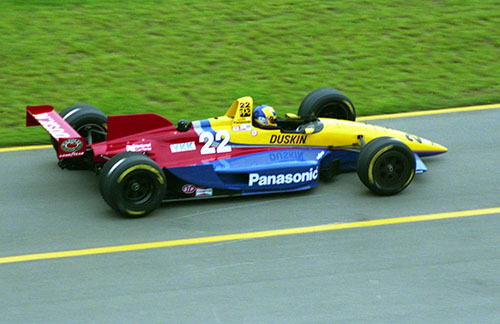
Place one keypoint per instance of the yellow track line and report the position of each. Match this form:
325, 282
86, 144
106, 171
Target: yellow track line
366, 118
430, 112
24, 148
246, 236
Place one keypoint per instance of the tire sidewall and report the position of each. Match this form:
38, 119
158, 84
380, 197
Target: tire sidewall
118, 173
371, 155
315, 102
80, 115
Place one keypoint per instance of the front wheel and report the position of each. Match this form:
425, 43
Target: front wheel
132, 184
386, 166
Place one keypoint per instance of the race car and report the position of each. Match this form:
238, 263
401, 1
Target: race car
144, 159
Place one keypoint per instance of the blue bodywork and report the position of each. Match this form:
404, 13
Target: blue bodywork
270, 171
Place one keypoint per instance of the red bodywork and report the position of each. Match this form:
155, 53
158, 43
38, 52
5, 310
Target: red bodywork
146, 133
155, 135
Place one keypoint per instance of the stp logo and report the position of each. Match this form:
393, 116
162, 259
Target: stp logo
188, 189
71, 145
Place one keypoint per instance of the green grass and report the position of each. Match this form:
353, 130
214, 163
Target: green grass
192, 58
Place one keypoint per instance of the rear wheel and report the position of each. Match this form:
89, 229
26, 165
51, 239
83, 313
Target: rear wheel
132, 184
328, 103
386, 166
90, 123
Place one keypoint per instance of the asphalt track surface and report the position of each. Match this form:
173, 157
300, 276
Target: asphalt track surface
334, 254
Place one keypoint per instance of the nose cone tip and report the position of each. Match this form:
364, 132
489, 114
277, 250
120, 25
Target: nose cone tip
440, 148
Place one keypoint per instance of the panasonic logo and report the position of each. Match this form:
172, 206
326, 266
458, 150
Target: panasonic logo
282, 178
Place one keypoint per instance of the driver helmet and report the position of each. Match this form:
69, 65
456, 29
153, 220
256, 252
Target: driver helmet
264, 115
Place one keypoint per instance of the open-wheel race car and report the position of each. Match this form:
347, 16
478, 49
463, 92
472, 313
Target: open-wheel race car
144, 159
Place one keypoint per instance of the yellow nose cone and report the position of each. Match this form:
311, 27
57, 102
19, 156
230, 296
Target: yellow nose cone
424, 147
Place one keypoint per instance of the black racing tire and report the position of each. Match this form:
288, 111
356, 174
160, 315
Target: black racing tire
132, 184
106, 169
386, 166
328, 103
88, 121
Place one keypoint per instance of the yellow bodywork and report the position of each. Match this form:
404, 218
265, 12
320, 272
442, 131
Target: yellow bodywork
335, 133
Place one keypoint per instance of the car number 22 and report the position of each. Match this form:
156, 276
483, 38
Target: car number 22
208, 139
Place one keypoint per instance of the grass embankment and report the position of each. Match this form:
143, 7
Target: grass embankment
191, 59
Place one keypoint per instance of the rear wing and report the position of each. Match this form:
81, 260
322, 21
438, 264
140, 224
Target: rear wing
69, 143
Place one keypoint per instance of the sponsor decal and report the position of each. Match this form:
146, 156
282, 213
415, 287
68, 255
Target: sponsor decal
242, 128
288, 139
145, 147
286, 156
71, 145
182, 147
412, 138
208, 138
245, 127
244, 120
254, 132
70, 155
201, 192
282, 178
53, 127
188, 189
245, 109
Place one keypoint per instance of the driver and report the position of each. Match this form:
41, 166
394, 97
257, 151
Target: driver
264, 117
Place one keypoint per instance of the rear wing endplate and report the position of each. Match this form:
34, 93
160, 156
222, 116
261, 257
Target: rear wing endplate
69, 143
